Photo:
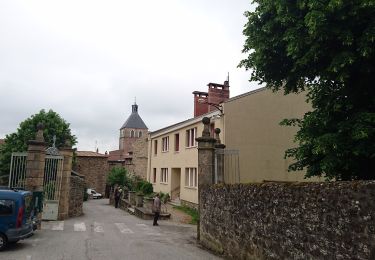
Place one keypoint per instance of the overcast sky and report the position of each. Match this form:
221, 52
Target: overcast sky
88, 60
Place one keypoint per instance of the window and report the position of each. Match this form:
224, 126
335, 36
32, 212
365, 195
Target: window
132, 133
6, 207
191, 178
140, 134
190, 137
154, 176
165, 144
177, 142
164, 175
156, 147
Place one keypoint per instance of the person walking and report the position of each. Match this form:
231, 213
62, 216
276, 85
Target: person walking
117, 197
156, 209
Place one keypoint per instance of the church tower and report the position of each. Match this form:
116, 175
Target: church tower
133, 129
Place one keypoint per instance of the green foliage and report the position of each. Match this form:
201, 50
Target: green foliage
147, 188
191, 212
164, 197
17, 142
325, 48
144, 187
119, 176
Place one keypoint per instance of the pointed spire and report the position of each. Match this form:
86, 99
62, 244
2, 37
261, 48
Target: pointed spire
134, 120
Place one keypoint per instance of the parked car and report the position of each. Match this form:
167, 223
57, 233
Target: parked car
95, 195
16, 221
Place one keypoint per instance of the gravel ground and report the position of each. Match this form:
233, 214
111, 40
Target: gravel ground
178, 216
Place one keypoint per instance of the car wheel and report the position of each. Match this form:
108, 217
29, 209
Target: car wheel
3, 241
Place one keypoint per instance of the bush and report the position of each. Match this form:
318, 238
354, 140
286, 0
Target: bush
147, 188
117, 175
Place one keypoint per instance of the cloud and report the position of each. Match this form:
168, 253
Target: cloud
88, 60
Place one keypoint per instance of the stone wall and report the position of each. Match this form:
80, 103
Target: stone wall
140, 157
332, 220
77, 186
95, 170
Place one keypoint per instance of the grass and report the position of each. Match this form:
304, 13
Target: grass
191, 212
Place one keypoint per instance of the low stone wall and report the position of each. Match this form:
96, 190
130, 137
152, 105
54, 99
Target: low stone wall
77, 186
333, 220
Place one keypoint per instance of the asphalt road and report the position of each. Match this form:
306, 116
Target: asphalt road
106, 233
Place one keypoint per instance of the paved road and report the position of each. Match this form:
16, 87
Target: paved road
106, 233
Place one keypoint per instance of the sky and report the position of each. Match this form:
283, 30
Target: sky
90, 60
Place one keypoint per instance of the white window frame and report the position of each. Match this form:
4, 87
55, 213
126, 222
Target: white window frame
140, 134
164, 175
190, 137
132, 133
165, 144
191, 177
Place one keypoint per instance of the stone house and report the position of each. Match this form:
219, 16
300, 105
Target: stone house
249, 124
94, 167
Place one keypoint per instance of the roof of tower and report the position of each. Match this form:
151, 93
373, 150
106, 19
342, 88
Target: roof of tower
134, 120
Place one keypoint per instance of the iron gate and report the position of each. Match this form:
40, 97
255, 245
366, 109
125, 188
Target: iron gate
52, 179
53, 169
227, 166
17, 175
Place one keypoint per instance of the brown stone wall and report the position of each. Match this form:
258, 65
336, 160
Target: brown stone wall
128, 141
95, 170
77, 189
330, 220
140, 157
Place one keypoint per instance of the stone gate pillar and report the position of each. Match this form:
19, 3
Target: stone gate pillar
67, 152
206, 155
36, 154
219, 164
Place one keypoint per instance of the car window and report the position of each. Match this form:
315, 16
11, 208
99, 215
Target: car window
6, 207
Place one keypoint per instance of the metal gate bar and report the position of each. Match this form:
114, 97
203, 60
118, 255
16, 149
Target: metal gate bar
17, 175
52, 177
227, 166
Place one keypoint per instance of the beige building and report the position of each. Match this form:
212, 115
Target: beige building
249, 124
173, 158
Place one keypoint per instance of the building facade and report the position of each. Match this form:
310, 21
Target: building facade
249, 123
94, 167
173, 158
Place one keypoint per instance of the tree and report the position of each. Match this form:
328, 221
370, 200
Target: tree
119, 176
325, 48
54, 125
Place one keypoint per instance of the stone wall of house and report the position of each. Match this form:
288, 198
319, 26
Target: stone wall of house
95, 170
331, 220
77, 186
140, 157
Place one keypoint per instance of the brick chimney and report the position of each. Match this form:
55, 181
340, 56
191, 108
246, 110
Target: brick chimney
200, 103
217, 93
